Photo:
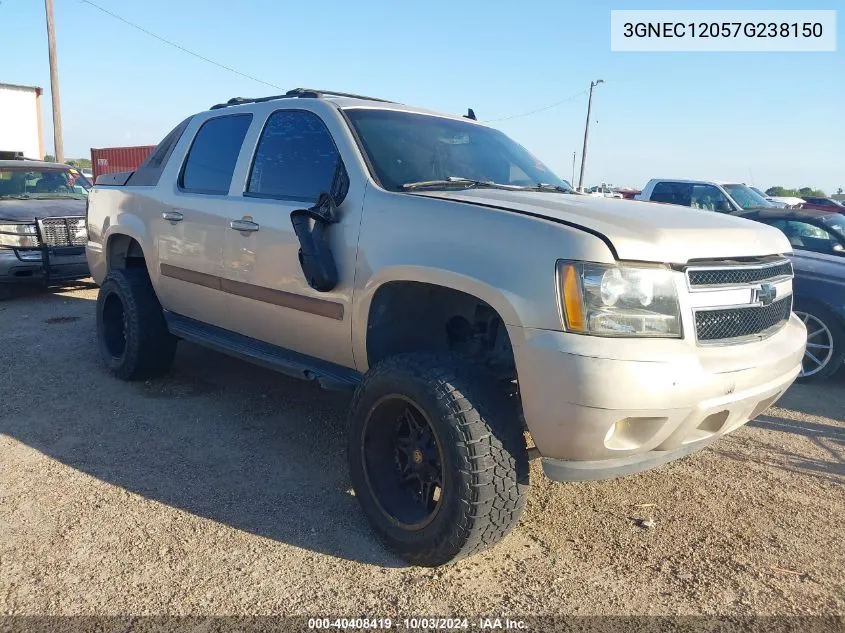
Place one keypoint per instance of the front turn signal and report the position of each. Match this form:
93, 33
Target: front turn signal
573, 301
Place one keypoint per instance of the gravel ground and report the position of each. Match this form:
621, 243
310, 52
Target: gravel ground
222, 489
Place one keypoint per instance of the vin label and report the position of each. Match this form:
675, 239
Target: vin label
723, 31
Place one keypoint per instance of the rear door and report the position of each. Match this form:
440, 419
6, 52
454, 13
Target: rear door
192, 218
267, 295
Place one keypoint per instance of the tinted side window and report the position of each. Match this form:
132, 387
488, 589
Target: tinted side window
213, 154
296, 158
672, 193
709, 198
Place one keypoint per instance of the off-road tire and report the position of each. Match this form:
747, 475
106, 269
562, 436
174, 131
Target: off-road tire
837, 334
485, 459
149, 347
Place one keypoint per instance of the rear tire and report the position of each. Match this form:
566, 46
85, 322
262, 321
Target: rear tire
132, 335
825, 342
440, 433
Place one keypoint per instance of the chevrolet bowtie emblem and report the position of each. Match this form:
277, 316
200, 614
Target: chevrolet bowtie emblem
765, 294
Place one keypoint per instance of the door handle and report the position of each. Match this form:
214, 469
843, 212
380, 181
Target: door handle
243, 225
172, 216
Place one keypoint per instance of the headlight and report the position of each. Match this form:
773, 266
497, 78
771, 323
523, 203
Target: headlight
608, 300
19, 235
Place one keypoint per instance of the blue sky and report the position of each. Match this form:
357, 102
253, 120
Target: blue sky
765, 118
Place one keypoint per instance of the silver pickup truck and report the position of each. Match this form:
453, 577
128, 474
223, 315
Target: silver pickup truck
482, 311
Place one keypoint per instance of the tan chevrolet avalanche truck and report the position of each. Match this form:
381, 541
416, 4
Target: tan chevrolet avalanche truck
475, 304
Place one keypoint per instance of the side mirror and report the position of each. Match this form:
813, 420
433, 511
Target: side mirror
315, 255
839, 248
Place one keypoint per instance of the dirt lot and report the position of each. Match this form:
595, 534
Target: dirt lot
223, 490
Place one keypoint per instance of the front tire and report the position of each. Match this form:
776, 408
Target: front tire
132, 335
825, 342
437, 457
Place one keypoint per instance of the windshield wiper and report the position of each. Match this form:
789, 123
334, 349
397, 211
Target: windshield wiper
56, 196
545, 186
467, 183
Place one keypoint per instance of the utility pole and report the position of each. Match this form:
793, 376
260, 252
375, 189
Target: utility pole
54, 84
573, 169
593, 84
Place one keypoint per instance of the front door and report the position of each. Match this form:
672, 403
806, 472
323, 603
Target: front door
268, 296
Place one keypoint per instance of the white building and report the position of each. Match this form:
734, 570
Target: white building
20, 120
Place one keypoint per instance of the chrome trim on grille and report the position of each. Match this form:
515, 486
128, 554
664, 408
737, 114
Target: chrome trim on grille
729, 271
743, 338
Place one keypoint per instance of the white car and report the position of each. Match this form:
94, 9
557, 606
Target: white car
789, 201
726, 197
604, 191
779, 201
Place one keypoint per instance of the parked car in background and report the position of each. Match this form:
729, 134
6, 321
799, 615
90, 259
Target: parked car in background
604, 191
823, 204
723, 197
818, 242
88, 173
789, 201
630, 194
778, 203
42, 223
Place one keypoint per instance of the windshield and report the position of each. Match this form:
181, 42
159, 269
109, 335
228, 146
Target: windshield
19, 182
746, 197
835, 221
405, 148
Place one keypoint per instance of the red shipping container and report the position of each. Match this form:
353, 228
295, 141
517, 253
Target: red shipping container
107, 160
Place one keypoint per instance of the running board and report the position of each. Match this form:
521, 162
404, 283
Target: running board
329, 375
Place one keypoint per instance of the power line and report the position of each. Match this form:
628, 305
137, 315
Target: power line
543, 109
267, 83
181, 48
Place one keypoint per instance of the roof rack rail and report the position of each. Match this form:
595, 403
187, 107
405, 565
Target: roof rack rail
296, 93
316, 94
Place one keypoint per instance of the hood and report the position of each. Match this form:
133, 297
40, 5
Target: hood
640, 231
32, 210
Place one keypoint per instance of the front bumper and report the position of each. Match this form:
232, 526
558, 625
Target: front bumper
604, 408
56, 265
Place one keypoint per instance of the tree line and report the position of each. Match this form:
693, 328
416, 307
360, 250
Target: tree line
798, 193
79, 163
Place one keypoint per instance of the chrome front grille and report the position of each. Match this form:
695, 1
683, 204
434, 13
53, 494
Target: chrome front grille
741, 322
739, 301
739, 276
58, 232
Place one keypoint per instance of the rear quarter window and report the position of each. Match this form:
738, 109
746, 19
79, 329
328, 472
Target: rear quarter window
672, 193
149, 173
